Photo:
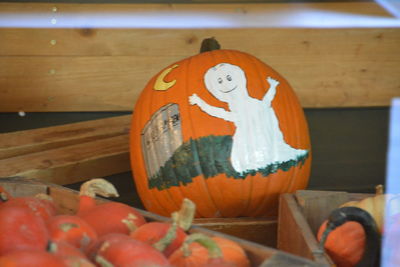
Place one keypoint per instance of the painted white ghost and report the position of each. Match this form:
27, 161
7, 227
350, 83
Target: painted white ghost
258, 140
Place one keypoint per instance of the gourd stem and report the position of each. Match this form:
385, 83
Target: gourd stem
184, 217
372, 245
129, 221
65, 227
214, 251
52, 247
103, 262
98, 186
379, 189
169, 237
209, 44
3, 197
91, 188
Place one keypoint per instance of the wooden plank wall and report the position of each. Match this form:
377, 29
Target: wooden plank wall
52, 68
58, 66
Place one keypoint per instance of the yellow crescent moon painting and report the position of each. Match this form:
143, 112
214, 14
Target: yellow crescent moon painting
161, 84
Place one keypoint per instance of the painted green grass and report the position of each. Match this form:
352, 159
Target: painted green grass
208, 156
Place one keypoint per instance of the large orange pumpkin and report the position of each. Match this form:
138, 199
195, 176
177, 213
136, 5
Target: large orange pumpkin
222, 129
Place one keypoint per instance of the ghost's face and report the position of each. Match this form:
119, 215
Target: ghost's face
225, 80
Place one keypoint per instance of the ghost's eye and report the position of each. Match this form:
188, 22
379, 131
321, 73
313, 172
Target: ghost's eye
219, 80
229, 77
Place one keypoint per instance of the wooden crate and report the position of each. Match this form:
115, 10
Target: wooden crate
300, 216
67, 201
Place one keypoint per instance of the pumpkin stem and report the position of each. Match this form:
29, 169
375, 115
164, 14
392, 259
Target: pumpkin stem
209, 44
342, 215
185, 215
214, 251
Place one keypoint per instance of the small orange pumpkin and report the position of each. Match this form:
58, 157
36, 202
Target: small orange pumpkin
223, 129
167, 236
121, 218
69, 254
201, 250
21, 229
129, 252
73, 230
346, 244
350, 236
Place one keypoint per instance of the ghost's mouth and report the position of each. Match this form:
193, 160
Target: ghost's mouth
229, 90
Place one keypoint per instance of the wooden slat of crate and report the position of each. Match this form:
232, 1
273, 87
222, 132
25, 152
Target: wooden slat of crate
259, 230
67, 201
68, 153
317, 205
294, 233
41, 139
300, 216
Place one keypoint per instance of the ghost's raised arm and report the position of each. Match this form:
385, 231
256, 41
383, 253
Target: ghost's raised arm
269, 96
210, 110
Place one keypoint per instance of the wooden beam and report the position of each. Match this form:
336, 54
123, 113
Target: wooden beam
29, 141
74, 163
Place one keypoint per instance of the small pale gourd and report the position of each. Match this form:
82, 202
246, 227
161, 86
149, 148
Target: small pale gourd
377, 206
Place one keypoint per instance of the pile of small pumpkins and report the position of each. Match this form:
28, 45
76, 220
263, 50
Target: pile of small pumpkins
351, 242
106, 234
